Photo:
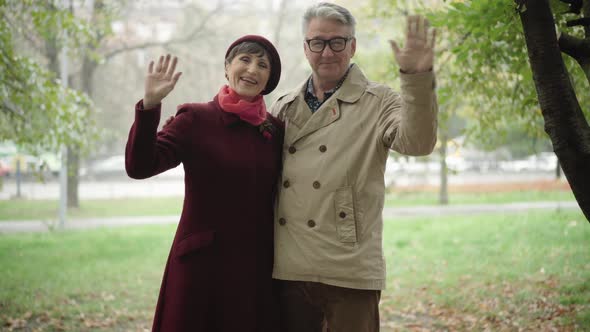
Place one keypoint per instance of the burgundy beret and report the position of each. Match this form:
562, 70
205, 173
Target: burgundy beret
273, 55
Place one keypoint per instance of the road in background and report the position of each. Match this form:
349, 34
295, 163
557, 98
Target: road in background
173, 186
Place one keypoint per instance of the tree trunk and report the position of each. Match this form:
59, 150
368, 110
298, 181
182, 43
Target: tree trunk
564, 121
280, 15
73, 166
444, 171
87, 72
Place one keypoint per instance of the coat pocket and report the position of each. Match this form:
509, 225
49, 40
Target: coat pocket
344, 213
193, 242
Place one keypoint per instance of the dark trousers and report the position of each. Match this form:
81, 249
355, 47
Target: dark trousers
316, 307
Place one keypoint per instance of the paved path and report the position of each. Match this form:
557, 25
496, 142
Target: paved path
388, 214
440, 210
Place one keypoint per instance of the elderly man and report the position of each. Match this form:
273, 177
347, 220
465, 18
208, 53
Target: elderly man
339, 129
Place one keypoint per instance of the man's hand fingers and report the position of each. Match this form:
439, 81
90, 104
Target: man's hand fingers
412, 28
394, 47
151, 67
432, 37
421, 28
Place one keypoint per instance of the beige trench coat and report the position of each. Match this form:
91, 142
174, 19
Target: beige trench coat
328, 223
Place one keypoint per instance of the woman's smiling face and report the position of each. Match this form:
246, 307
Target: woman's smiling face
247, 74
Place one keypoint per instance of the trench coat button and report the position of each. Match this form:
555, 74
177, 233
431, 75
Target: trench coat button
286, 184
316, 185
342, 214
323, 148
311, 223
292, 149
282, 221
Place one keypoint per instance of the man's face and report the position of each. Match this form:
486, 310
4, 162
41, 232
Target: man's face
329, 66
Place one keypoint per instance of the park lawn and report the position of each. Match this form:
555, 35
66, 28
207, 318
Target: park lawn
123, 207
47, 210
397, 199
494, 273
500, 272
104, 280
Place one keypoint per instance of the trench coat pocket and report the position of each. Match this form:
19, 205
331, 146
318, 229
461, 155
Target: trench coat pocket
193, 242
344, 212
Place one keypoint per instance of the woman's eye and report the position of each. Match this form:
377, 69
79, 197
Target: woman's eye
245, 59
263, 65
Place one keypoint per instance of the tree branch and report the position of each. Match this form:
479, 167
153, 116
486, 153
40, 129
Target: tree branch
575, 47
584, 21
575, 6
8, 107
189, 37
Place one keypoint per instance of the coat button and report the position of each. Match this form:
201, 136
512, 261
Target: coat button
292, 149
311, 223
316, 185
323, 148
286, 184
282, 221
342, 214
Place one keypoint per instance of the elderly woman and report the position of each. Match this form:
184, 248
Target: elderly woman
218, 274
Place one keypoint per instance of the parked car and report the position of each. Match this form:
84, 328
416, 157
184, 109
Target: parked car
114, 167
5, 169
110, 167
542, 162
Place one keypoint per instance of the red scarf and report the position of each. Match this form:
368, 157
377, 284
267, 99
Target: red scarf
253, 112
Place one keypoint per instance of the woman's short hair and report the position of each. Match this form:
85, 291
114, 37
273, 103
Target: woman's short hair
330, 11
245, 47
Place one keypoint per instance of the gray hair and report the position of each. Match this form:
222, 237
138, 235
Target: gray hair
329, 11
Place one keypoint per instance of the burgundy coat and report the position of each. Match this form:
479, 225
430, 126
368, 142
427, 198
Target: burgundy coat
218, 274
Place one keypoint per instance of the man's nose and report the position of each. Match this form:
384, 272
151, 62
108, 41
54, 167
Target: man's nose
327, 51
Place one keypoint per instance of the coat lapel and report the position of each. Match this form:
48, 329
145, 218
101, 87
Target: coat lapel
307, 123
324, 116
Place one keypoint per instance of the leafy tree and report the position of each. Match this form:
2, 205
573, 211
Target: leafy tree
496, 44
565, 122
382, 68
500, 39
36, 112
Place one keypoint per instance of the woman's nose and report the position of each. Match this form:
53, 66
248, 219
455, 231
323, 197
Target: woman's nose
252, 68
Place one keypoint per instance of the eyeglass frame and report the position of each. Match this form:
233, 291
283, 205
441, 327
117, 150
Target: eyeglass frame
328, 42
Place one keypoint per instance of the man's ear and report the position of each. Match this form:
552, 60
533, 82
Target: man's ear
353, 46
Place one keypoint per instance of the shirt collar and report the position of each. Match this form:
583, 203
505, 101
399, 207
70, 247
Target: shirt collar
311, 91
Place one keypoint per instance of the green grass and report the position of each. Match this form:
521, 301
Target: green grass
48, 209
530, 269
431, 198
450, 273
80, 280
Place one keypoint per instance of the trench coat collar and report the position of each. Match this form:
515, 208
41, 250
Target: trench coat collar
353, 86
351, 90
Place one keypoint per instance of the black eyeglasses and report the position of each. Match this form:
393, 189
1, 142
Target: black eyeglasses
337, 44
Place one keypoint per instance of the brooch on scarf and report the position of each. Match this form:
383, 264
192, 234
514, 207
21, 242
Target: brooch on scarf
267, 129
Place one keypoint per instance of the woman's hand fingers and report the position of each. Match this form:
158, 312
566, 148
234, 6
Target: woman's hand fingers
173, 67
